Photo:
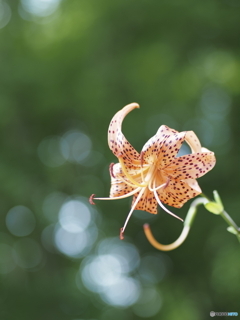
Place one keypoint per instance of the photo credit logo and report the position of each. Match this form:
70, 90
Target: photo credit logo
223, 314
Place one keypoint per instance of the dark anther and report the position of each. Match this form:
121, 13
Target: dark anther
141, 158
121, 236
111, 170
91, 199
167, 183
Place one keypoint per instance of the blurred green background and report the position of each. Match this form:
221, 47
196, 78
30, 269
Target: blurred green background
66, 67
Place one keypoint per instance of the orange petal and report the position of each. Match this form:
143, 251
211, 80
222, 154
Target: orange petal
170, 148
116, 140
191, 166
165, 138
118, 187
147, 202
193, 184
165, 130
177, 193
193, 142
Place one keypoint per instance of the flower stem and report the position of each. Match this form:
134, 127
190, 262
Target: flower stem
231, 223
165, 247
187, 225
216, 208
229, 220
226, 216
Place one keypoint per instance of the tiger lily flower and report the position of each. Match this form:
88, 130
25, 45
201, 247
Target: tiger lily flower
155, 175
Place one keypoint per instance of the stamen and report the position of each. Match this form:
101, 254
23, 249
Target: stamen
129, 176
91, 199
119, 197
154, 189
125, 181
111, 170
164, 208
159, 187
130, 213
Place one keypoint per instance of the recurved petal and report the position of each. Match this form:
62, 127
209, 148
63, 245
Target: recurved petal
191, 166
205, 150
159, 143
116, 140
176, 193
193, 142
147, 202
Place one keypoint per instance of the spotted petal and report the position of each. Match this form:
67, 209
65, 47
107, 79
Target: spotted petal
191, 166
147, 202
170, 148
119, 182
152, 147
193, 142
117, 141
165, 131
177, 193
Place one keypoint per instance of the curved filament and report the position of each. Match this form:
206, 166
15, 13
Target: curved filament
125, 181
129, 176
160, 202
157, 188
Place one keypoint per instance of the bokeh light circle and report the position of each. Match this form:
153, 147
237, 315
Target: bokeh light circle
52, 204
74, 216
126, 252
5, 14
40, 8
123, 293
76, 146
75, 244
20, 221
108, 272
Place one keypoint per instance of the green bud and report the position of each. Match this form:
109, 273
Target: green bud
214, 207
232, 230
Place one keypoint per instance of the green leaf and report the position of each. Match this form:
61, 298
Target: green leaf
231, 230
213, 207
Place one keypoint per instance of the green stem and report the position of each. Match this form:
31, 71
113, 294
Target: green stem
193, 211
225, 215
189, 221
186, 228
231, 223
229, 220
